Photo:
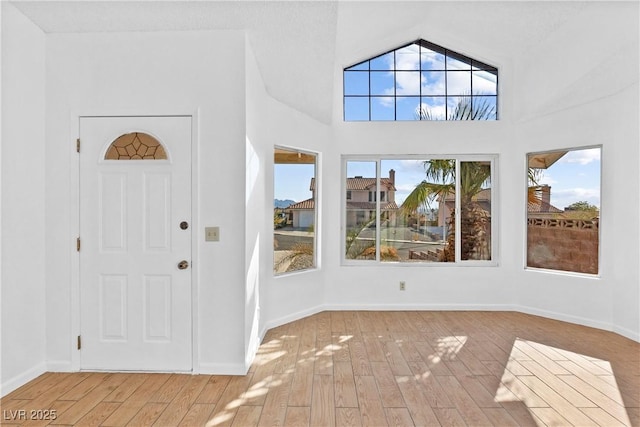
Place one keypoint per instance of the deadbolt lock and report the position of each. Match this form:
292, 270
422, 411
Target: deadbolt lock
184, 225
184, 264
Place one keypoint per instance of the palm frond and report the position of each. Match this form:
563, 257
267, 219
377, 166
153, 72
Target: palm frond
423, 194
474, 176
473, 108
440, 170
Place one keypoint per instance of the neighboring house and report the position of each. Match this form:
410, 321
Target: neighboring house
361, 202
539, 208
302, 214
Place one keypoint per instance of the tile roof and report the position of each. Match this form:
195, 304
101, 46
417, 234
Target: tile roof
539, 206
360, 183
305, 204
371, 206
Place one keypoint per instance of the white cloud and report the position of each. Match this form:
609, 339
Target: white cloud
582, 157
408, 58
484, 83
435, 86
437, 111
546, 180
565, 197
387, 102
458, 83
412, 165
579, 192
408, 83
405, 188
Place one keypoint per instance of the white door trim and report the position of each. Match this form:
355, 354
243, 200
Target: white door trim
74, 225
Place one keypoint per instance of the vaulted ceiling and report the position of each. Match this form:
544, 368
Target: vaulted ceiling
301, 46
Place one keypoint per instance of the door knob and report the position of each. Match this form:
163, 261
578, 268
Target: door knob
184, 264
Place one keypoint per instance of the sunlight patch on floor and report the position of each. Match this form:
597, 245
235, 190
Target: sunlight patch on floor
561, 387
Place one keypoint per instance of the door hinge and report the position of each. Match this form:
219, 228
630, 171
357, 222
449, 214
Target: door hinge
78, 244
77, 145
79, 342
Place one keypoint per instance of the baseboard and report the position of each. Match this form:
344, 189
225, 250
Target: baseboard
578, 320
291, 318
419, 307
21, 379
627, 333
633, 335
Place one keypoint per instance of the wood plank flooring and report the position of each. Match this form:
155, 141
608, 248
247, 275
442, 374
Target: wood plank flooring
360, 368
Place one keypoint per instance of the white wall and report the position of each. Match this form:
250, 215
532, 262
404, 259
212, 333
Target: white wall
580, 88
23, 209
257, 158
199, 73
576, 88
428, 286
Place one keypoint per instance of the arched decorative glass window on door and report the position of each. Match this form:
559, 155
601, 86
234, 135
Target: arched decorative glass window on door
136, 146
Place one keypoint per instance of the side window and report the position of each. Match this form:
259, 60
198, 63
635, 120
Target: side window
294, 212
563, 210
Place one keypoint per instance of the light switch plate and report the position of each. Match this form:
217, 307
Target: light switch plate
212, 234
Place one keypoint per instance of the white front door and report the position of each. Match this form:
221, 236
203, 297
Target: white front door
135, 243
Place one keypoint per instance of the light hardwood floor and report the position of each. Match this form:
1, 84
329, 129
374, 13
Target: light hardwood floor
373, 369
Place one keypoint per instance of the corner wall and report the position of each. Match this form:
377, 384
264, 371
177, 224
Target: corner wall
286, 297
22, 232
579, 89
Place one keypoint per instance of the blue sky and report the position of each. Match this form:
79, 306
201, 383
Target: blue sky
292, 181
575, 177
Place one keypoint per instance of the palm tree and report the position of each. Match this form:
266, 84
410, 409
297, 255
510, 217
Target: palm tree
466, 108
474, 220
474, 177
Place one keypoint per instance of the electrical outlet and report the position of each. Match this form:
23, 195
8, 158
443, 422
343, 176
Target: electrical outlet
403, 285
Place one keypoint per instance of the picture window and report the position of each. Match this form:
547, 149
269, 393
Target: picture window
430, 210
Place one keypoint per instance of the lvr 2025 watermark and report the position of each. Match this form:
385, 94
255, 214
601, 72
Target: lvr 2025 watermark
29, 414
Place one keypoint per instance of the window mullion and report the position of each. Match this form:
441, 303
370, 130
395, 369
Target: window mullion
457, 210
377, 200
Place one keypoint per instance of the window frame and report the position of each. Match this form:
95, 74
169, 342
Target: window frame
525, 251
316, 214
493, 158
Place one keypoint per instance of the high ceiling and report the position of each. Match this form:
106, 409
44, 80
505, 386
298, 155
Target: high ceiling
301, 45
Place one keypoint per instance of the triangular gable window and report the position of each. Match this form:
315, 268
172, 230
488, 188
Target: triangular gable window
420, 81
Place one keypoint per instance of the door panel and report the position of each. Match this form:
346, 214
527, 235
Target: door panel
113, 211
113, 307
157, 308
157, 220
135, 301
